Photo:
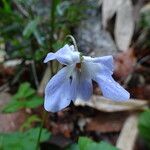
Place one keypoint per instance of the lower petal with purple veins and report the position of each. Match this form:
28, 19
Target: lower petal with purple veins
59, 99
56, 81
111, 89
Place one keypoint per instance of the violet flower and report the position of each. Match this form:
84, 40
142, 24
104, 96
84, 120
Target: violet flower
75, 79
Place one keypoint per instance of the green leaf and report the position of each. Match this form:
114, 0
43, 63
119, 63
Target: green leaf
34, 102
22, 140
24, 98
73, 147
57, 45
38, 37
84, 142
144, 125
13, 106
7, 7
32, 134
24, 91
30, 28
28, 123
61, 7
87, 144
16, 105
39, 54
145, 17
106, 146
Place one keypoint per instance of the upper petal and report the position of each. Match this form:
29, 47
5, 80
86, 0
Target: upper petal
111, 89
66, 55
107, 61
50, 56
95, 69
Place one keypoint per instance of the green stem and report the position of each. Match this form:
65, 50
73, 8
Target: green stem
52, 23
40, 131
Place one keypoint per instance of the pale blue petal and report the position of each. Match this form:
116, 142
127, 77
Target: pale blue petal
59, 99
72, 48
58, 91
102, 75
50, 56
74, 85
107, 61
81, 85
56, 81
85, 89
85, 84
95, 69
66, 55
111, 89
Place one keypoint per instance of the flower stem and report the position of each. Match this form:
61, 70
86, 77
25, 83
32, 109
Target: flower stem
40, 131
73, 40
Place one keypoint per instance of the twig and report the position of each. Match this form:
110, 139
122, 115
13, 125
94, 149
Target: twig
15, 79
21, 9
34, 73
44, 80
4, 87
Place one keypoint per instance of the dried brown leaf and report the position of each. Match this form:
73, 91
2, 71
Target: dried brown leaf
124, 26
102, 104
109, 8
